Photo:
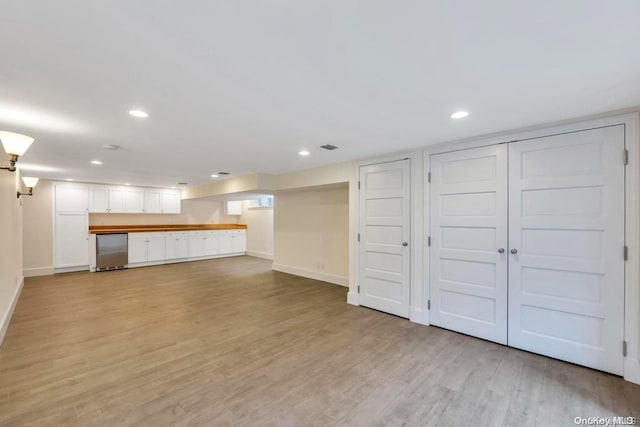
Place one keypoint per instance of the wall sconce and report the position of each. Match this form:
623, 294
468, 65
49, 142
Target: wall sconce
29, 182
14, 145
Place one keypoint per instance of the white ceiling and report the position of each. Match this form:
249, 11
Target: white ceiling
242, 86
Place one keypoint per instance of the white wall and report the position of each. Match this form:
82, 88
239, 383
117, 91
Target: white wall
259, 223
311, 234
10, 245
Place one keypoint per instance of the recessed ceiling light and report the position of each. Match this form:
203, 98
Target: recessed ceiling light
96, 162
215, 175
139, 113
126, 183
304, 153
69, 179
173, 188
459, 115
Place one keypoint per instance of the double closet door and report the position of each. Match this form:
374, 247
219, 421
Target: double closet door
527, 245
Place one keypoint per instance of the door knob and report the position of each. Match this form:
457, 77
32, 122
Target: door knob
514, 251
405, 244
501, 250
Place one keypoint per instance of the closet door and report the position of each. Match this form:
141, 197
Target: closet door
566, 240
469, 241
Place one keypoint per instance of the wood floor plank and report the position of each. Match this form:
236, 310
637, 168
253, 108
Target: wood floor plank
230, 342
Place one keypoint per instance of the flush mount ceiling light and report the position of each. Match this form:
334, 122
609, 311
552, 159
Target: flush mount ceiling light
96, 162
139, 114
459, 115
14, 145
304, 153
215, 175
29, 182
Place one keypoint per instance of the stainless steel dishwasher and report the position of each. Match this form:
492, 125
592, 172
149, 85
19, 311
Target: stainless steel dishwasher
112, 251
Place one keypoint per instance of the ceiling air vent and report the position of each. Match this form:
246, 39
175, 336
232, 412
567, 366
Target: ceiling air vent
223, 173
183, 183
328, 147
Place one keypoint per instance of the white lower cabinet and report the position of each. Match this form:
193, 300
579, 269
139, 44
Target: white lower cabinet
176, 245
71, 240
238, 240
196, 243
146, 247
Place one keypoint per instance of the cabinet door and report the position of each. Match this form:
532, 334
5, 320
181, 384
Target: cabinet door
171, 202
72, 239
98, 199
177, 245
156, 248
233, 207
196, 245
239, 241
117, 200
71, 198
134, 200
225, 241
137, 249
152, 201
211, 243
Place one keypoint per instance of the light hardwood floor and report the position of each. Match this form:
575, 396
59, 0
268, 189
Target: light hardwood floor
229, 342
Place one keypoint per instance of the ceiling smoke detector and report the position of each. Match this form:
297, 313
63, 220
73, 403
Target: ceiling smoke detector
329, 147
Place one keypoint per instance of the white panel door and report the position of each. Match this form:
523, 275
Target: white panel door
385, 235
468, 242
566, 267
72, 239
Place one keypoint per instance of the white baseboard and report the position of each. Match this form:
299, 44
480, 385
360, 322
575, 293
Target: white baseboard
420, 316
7, 318
353, 298
311, 274
632, 370
264, 255
38, 271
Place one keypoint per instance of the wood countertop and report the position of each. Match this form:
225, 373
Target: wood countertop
112, 229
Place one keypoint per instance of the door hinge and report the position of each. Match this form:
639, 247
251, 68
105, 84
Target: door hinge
358, 237
358, 288
624, 348
429, 177
358, 185
428, 304
626, 157
626, 253
429, 241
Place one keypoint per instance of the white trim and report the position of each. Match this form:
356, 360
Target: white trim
4, 326
632, 213
311, 274
353, 298
71, 269
257, 254
38, 271
420, 316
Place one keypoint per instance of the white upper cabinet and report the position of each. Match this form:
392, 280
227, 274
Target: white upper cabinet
98, 199
152, 201
171, 203
71, 197
117, 200
233, 207
134, 200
